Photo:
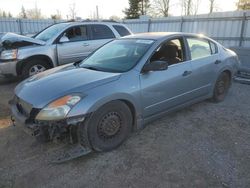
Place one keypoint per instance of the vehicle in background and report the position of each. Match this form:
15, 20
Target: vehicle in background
56, 45
243, 74
122, 86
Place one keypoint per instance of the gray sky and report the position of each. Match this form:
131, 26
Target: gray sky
87, 8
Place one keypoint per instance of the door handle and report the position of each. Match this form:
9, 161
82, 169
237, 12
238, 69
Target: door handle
217, 62
85, 44
186, 73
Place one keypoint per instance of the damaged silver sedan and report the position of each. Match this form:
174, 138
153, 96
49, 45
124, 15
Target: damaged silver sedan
125, 84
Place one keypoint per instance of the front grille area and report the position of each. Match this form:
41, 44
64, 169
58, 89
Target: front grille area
23, 107
22, 110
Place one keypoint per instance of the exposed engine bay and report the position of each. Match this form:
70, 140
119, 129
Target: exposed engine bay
14, 41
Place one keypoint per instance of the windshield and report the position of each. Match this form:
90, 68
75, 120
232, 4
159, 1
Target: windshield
118, 55
51, 31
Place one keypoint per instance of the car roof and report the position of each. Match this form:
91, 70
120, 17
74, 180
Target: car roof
90, 22
161, 35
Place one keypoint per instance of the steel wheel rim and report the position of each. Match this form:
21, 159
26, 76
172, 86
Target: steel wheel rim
36, 69
109, 126
222, 86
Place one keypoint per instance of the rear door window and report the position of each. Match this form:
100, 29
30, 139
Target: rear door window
121, 30
101, 32
199, 48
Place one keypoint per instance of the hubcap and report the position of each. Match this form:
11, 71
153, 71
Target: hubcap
36, 69
109, 126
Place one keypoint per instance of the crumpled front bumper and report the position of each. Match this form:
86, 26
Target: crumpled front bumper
8, 67
65, 130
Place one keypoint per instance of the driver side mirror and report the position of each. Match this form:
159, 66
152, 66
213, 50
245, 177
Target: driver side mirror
64, 39
155, 66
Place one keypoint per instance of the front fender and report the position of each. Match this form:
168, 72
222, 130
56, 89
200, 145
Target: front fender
89, 105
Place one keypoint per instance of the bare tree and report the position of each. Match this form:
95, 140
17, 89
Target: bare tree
211, 6
72, 11
162, 6
56, 16
34, 13
190, 7
9, 15
186, 7
143, 6
195, 6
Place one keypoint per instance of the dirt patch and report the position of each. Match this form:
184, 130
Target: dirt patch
6, 92
205, 145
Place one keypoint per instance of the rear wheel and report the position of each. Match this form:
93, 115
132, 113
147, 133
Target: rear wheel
34, 67
221, 87
109, 126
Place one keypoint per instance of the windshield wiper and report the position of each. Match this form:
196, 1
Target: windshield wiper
91, 68
76, 64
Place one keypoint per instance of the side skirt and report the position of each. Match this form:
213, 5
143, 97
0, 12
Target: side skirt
176, 108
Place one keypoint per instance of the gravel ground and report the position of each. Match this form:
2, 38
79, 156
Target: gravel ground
205, 145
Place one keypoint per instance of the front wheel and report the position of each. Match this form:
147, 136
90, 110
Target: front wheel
34, 67
221, 87
109, 126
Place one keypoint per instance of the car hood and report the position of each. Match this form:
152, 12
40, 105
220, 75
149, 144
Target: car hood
12, 40
41, 89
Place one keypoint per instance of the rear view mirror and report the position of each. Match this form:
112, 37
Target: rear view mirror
155, 66
64, 39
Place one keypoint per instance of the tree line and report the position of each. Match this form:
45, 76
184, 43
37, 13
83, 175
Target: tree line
153, 8
161, 8
33, 13
5, 14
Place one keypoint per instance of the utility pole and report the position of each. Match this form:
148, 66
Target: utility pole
142, 3
97, 12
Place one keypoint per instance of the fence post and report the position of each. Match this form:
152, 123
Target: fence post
243, 24
19, 22
181, 27
149, 24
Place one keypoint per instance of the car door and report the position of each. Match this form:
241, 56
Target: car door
163, 90
76, 47
204, 60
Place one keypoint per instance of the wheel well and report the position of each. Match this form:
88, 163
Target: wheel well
45, 58
229, 73
133, 111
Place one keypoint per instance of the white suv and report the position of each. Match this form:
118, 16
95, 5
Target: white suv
56, 45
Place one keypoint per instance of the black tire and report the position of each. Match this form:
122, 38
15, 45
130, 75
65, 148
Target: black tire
29, 65
109, 126
221, 87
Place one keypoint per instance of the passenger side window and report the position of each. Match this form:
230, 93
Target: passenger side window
101, 32
172, 51
78, 33
199, 48
121, 30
